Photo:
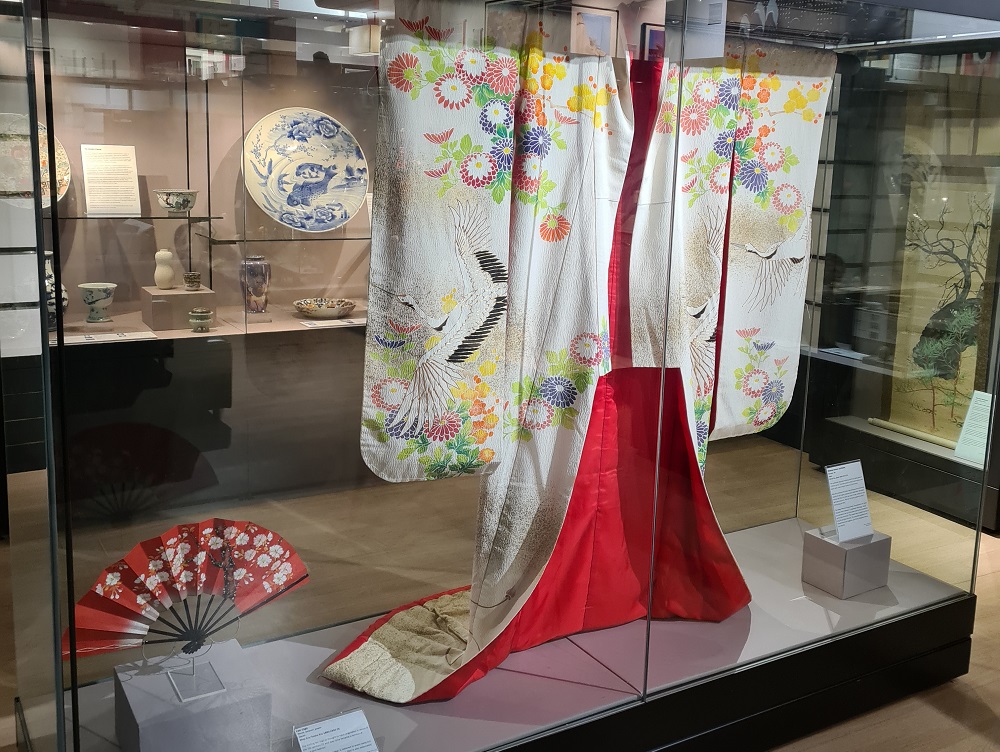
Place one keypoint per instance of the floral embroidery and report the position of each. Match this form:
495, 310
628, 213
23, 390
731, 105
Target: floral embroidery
519, 115
761, 380
549, 401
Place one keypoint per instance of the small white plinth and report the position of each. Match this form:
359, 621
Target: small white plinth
151, 717
848, 568
168, 309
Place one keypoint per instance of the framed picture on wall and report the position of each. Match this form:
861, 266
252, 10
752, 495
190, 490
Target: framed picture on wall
593, 31
652, 41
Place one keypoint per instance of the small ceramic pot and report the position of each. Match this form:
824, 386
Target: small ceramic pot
192, 281
177, 200
98, 296
200, 319
163, 275
255, 278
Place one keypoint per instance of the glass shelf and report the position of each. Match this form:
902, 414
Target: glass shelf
182, 217
235, 241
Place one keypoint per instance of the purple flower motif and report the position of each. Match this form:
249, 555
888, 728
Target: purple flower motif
537, 141
773, 392
400, 430
753, 176
701, 432
494, 115
729, 92
503, 153
558, 391
724, 143
762, 347
392, 344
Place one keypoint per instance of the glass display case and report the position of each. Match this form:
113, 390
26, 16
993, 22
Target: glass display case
476, 365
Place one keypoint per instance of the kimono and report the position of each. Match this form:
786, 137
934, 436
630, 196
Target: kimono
500, 297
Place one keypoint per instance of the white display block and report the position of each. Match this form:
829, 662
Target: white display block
845, 568
168, 309
150, 717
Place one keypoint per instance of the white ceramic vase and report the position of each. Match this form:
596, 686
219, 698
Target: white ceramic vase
164, 274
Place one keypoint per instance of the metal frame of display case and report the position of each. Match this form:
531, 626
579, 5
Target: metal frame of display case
757, 706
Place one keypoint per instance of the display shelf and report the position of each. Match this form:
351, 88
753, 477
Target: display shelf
178, 217
229, 321
325, 238
284, 318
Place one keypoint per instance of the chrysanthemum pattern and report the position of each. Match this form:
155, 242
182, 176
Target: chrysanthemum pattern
549, 400
509, 161
761, 380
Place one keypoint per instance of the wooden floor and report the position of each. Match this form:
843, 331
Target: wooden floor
373, 549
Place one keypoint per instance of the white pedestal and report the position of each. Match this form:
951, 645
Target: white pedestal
848, 568
168, 309
150, 717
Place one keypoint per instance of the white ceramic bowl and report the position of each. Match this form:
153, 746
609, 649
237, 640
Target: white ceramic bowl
324, 308
177, 200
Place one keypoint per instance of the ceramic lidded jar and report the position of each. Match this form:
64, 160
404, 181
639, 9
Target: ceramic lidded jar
200, 319
164, 274
192, 281
255, 278
50, 292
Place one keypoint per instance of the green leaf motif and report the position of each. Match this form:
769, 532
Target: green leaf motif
465, 146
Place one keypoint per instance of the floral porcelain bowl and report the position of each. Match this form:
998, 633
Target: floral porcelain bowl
324, 308
177, 200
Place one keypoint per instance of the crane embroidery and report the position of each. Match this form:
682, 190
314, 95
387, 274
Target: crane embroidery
481, 301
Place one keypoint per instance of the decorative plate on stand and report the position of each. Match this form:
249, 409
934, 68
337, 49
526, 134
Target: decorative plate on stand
304, 169
15, 162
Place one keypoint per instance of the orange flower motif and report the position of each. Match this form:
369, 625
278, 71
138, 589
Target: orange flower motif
490, 420
486, 455
764, 131
554, 228
480, 436
478, 407
749, 83
763, 95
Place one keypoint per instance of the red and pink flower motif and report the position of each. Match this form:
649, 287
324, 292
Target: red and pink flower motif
787, 198
471, 65
527, 173
665, 119
444, 427
501, 75
768, 411
772, 155
706, 93
535, 414
452, 92
439, 138
754, 382
417, 25
439, 172
586, 349
478, 169
720, 178
554, 228
694, 119
403, 328
564, 119
748, 333
388, 394
403, 71
438, 35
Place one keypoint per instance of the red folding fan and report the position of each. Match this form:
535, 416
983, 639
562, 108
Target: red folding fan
185, 586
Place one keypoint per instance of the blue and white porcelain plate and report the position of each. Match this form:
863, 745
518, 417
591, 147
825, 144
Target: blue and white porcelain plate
305, 169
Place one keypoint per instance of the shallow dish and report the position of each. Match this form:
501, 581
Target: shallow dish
16, 181
324, 308
176, 200
304, 169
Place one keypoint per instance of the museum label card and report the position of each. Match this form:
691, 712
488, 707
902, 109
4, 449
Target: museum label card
850, 500
971, 444
110, 180
347, 732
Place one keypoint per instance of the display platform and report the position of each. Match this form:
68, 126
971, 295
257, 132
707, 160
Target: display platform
576, 676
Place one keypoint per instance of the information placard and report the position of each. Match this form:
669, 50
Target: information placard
347, 732
110, 180
972, 440
849, 497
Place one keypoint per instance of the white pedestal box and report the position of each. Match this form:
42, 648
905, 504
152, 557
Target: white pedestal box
151, 717
168, 309
847, 568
